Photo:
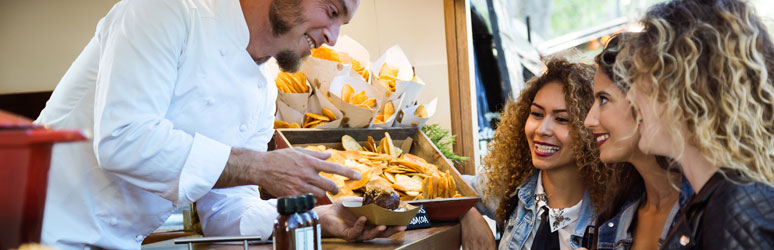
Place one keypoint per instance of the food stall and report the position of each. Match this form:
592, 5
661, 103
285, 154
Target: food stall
347, 90
407, 75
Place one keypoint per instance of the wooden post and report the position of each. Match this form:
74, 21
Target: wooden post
456, 14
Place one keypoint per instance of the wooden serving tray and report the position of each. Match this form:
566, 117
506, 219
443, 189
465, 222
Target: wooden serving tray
446, 209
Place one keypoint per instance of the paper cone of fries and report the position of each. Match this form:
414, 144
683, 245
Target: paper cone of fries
293, 90
356, 55
287, 116
391, 67
386, 114
322, 113
410, 91
416, 116
320, 72
356, 99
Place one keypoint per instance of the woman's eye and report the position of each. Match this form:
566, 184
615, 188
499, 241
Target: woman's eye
562, 120
602, 100
537, 114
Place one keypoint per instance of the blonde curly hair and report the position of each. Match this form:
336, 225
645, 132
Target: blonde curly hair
509, 162
708, 63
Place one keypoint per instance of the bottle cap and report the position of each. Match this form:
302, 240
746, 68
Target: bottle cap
309, 198
287, 205
301, 204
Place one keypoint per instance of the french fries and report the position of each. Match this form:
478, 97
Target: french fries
360, 99
331, 55
291, 83
421, 111
312, 120
360, 69
284, 124
326, 54
388, 75
385, 113
411, 176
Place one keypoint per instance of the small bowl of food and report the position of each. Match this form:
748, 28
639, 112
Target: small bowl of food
382, 205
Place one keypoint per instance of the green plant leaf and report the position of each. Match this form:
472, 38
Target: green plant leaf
444, 141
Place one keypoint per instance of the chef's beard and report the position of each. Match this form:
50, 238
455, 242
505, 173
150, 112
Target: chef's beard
284, 15
288, 61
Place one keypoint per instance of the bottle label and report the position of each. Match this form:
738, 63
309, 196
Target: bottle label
319, 238
309, 238
300, 236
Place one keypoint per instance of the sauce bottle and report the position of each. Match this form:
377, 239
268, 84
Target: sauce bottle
306, 225
309, 198
286, 227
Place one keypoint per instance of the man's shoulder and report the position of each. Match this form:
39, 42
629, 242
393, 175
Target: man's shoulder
179, 7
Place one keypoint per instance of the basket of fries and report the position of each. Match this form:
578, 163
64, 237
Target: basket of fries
404, 157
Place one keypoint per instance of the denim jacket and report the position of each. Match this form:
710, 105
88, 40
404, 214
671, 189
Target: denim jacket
615, 234
523, 218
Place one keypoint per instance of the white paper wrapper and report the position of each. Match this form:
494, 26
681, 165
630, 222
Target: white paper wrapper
353, 49
349, 48
354, 116
289, 115
393, 56
317, 102
409, 91
297, 101
389, 121
406, 117
320, 72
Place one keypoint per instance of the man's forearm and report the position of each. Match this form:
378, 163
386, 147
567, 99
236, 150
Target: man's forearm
237, 168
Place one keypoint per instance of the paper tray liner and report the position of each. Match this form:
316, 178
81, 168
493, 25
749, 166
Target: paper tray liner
381, 216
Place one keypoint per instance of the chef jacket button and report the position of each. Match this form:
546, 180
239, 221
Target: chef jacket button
139, 238
243, 127
113, 221
221, 53
210, 101
610, 224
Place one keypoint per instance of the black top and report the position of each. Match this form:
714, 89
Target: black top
726, 214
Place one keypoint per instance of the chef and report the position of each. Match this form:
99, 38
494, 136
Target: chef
176, 96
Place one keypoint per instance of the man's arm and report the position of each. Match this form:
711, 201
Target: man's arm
283, 172
236, 211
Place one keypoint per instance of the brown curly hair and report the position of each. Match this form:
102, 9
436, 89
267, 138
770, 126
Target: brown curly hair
509, 162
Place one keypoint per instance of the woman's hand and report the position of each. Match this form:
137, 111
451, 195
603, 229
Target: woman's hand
336, 221
475, 231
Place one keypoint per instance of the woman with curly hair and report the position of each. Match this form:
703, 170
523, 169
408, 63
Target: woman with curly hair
543, 179
700, 75
641, 201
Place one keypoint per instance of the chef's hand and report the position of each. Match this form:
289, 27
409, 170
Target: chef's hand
336, 221
476, 233
283, 172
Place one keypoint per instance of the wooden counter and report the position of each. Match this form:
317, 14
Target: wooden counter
440, 236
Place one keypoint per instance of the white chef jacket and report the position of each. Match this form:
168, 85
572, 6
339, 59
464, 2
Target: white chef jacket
166, 87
